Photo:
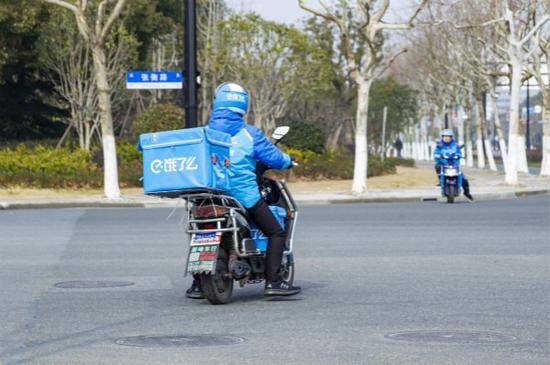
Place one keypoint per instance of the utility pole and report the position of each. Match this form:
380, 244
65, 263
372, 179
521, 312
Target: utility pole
446, 118
190, 64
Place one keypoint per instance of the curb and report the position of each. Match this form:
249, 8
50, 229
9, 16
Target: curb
171, 204
69, 204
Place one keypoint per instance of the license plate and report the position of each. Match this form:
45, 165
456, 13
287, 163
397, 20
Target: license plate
203, 252
451, 172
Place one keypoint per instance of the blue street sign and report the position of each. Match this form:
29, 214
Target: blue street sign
145, 80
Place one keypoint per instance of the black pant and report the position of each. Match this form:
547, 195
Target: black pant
265, 220
465, 183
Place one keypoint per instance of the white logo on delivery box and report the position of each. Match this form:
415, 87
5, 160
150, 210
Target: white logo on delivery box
174, 165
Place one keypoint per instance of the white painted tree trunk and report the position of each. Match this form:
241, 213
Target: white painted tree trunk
110, 177
487, 142
479, 136
469, 147
361, 154
545, 166
406, 146
500, 132
414, 144
513, 132
425, 152
522, 155
490, 156
461, 133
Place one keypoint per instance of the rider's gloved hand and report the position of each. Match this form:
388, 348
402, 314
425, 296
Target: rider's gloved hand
293, 162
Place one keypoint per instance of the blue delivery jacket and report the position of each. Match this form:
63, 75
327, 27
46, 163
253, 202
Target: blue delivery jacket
249, 145
443, 149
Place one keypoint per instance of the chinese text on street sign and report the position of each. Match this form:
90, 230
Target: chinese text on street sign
146, 80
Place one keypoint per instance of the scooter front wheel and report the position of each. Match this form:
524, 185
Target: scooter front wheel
451, 194
218, 287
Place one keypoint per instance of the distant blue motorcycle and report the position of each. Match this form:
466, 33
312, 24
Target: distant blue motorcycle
450, 176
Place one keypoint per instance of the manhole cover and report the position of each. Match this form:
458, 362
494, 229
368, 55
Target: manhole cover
79, 284
451, 336
179, 341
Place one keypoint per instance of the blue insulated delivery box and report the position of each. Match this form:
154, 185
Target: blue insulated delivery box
193, 159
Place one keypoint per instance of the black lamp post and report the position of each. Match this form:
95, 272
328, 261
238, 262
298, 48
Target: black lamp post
190, 64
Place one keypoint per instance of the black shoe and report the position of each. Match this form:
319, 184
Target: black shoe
469, 196
280, 288
194, 292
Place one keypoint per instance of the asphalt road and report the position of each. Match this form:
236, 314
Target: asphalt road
372, 275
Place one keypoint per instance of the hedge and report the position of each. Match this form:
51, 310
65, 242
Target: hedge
50, 167
43, 167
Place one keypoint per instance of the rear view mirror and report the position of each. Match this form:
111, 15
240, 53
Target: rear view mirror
280, 132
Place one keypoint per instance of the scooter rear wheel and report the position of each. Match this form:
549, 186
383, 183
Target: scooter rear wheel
287, 269
218, 287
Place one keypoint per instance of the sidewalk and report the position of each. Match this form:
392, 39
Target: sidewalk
408, 185
484, 184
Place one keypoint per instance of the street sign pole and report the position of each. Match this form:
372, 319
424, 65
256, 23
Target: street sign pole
190, 64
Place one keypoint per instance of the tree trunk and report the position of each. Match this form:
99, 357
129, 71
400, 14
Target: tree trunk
522, 156
334, 137
424, 140
461, 133
361, 155
469, 147
479, 134
513, 133
545, 166
489, 150
500, 132
111, 187
487, 142
416, 142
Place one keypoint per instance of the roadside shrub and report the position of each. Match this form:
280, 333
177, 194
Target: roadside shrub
333, 165
127, 152
45, 167
129, 164
305, 137
159, 117
406, 162
376, 167
49, 167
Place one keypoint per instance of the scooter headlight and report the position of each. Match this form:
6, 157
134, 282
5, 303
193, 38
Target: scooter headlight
451, 171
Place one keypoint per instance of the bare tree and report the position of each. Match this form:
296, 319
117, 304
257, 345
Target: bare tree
95, 30
69, 63
541, 56
519, 32
365, 59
